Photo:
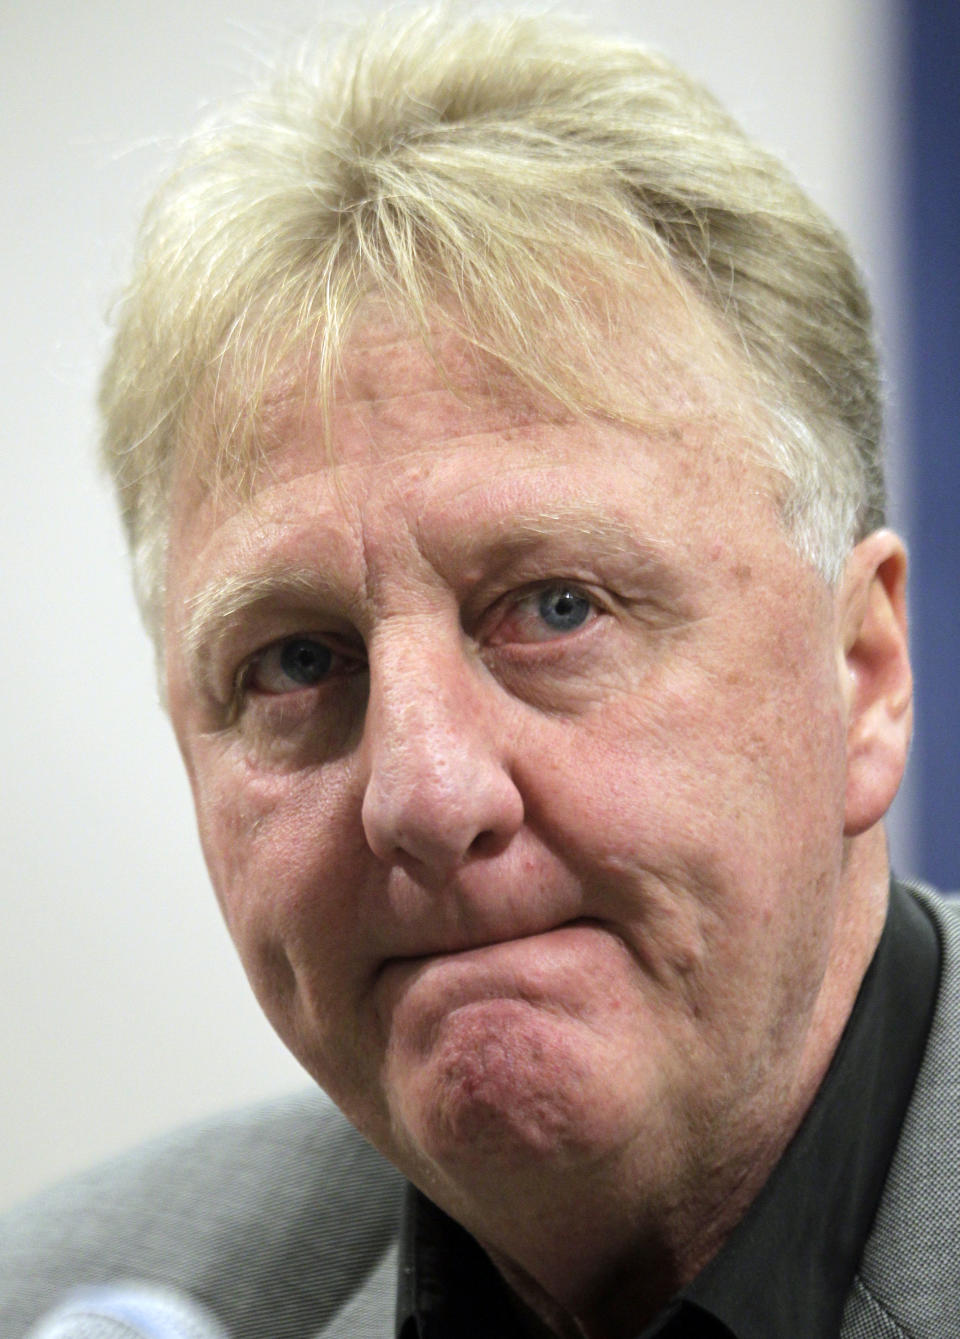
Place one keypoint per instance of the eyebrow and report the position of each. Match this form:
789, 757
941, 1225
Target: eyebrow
211, 610
604, 536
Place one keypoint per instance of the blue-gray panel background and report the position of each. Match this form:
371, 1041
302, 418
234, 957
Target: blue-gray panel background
932, 219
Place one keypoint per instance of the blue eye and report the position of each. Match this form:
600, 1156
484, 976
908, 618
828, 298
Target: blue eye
305, 661
295, 663
549, 613
564, 608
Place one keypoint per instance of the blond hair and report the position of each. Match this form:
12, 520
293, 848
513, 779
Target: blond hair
498, 169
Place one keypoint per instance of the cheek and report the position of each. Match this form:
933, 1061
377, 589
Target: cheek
704, 769
290, 875
707, 813
284, 863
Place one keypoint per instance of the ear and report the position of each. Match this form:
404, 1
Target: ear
876, 674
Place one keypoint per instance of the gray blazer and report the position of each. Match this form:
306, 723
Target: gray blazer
907, 1285
283, 1221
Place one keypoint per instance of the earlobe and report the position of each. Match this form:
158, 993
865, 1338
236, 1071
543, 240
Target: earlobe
876, 666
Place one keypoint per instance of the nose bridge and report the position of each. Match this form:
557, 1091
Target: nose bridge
438, 784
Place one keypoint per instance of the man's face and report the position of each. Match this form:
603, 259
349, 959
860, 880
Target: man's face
518, 750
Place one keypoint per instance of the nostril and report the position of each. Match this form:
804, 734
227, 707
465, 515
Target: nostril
488, 843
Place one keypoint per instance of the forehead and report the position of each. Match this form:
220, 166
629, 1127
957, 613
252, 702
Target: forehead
432, 449
395, 398
668, 369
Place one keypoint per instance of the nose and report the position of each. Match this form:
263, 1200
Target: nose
438, 787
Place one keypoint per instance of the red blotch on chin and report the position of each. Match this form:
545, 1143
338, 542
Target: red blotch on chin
503, 1080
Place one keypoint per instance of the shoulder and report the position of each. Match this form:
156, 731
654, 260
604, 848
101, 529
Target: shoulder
942, 1056
909, 1277
944, 908
274, 1216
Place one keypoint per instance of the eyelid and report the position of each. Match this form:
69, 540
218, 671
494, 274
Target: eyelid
511, 602
351, 661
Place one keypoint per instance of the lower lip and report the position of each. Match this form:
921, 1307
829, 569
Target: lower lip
529, 968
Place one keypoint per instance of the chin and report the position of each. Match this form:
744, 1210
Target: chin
504, 1084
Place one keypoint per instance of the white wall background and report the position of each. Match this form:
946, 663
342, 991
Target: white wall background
122, 1010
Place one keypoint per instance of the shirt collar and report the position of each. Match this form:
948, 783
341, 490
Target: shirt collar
448, 1287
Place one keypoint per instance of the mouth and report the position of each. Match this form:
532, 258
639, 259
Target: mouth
479, 946
563, 970
532, 965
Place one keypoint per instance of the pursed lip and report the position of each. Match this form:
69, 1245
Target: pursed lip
479, 944
562, 969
